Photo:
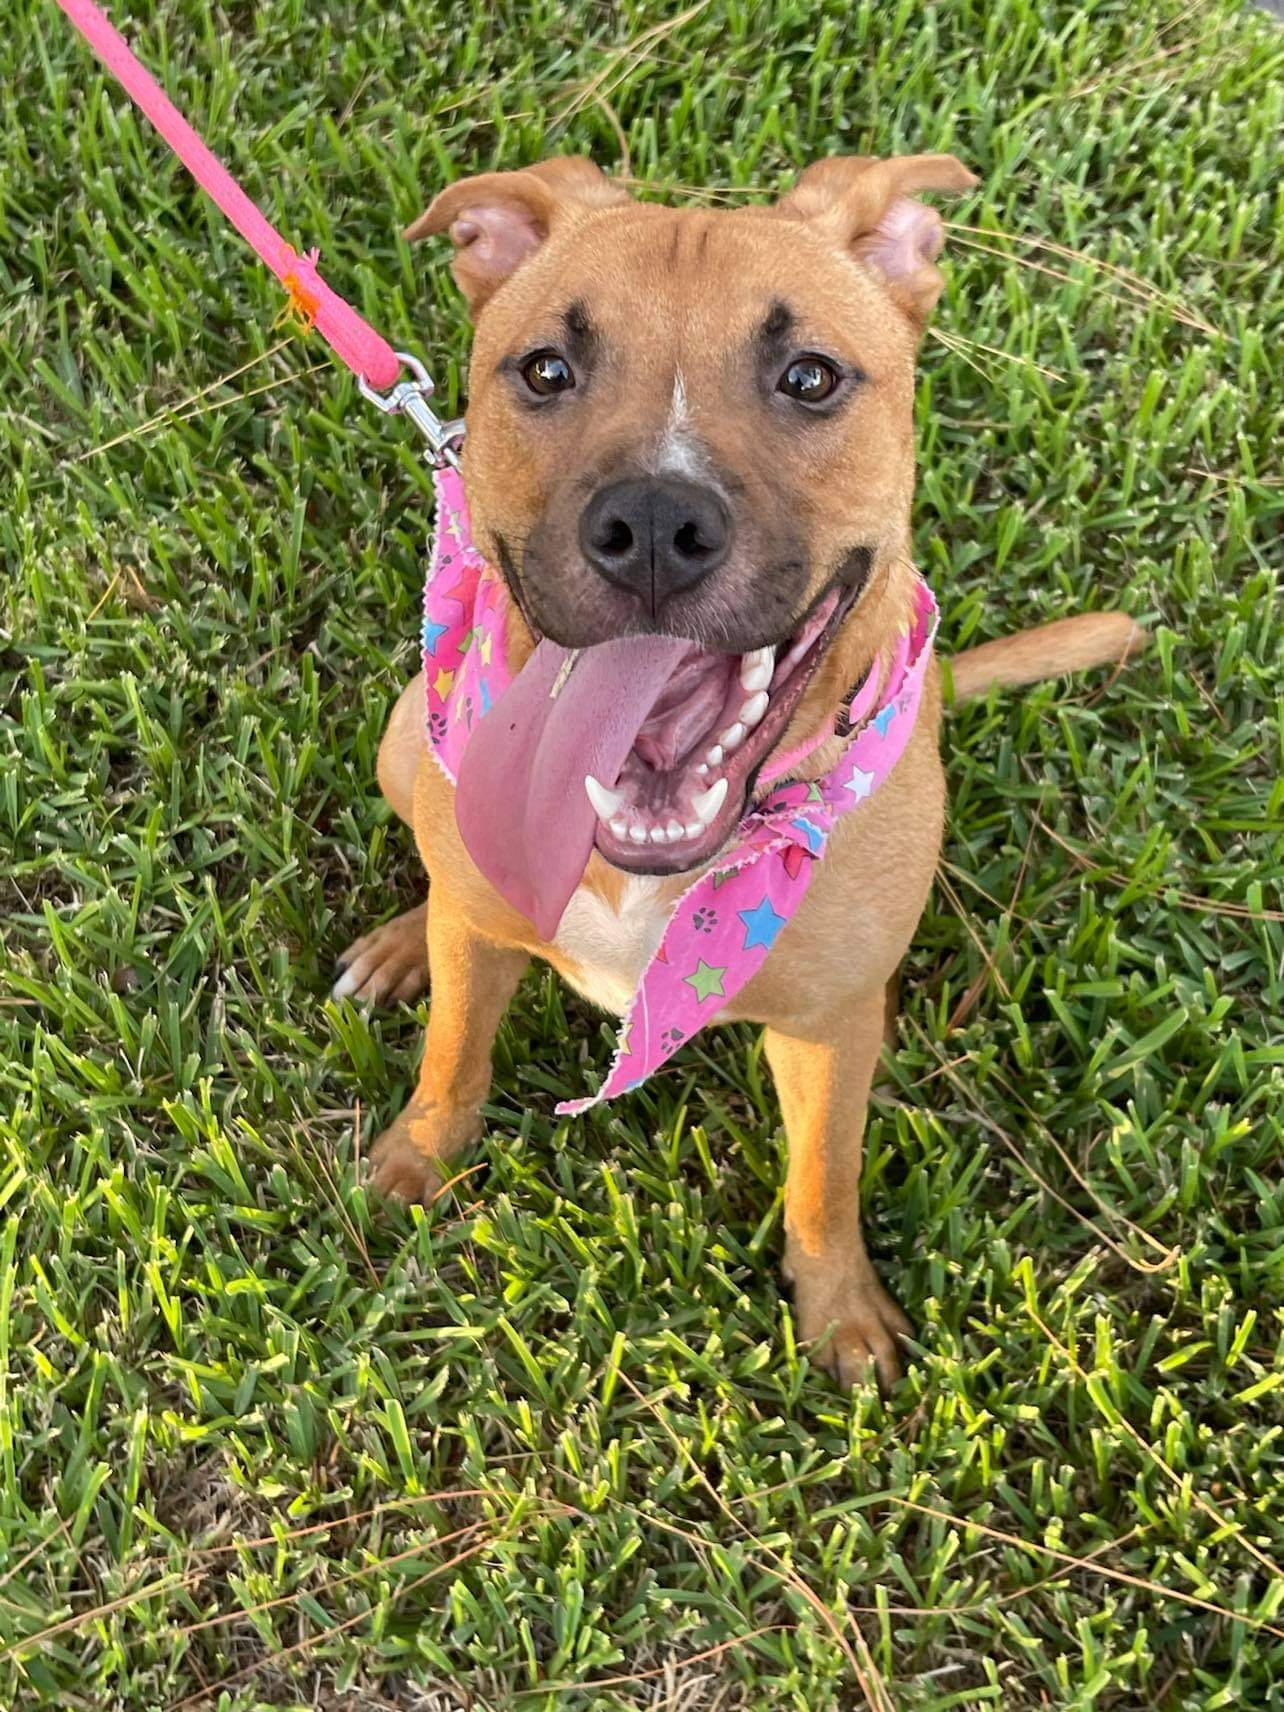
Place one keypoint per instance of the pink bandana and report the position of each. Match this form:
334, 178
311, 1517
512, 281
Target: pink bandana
725, 923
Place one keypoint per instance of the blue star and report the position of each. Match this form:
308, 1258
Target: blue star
762, 924
432, 634
814, 836
484, 689
884, 719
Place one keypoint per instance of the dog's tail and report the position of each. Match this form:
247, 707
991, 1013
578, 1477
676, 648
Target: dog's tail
1068, 645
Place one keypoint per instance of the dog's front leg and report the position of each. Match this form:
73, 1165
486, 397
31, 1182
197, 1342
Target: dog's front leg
823, 1083
472, 982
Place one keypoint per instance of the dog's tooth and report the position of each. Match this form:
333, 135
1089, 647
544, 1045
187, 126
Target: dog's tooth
619, 828
693, 828
638, 834
756, 668
605, 803
702, 767
732, 737
674, 830
754, 708
659, 835
707, 804
714, 756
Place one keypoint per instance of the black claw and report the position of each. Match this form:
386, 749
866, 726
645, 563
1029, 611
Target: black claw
340, 967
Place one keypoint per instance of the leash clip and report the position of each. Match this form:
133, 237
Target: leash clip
410, 398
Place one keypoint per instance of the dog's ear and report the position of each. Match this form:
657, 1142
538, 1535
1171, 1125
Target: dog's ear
867, 207
499, 218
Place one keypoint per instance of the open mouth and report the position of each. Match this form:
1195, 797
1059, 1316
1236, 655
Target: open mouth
685, 783
646, 748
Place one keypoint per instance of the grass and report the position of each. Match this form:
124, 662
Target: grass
264, 1443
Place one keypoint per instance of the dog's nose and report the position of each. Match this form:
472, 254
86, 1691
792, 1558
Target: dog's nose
655, 538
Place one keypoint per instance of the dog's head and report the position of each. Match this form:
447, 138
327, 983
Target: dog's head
693, 429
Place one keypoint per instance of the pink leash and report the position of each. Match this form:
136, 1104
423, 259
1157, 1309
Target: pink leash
352, 339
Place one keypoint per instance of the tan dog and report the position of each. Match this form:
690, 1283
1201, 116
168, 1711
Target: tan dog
699, 423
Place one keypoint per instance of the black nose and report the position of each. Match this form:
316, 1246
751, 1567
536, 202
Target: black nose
655, 538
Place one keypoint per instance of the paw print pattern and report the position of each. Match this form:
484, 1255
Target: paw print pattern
705, 920
437, 725
671, 1039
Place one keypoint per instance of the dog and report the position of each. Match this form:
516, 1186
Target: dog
689, 430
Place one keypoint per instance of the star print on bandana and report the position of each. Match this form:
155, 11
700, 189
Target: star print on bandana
762, 924
706, 981
726, 923
814, 836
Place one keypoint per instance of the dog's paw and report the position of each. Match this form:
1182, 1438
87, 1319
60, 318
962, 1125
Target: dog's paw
411, 1159
854, 1326
401, 1171
388, 965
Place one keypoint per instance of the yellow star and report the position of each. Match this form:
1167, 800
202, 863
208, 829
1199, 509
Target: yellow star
485, 649
443, 683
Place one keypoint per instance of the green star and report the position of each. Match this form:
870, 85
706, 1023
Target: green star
706, 981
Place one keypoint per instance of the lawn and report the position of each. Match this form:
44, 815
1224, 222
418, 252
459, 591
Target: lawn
267, 1443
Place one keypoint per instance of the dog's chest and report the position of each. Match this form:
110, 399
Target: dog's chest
607, 946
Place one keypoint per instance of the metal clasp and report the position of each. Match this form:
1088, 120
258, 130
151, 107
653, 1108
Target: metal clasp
410, 398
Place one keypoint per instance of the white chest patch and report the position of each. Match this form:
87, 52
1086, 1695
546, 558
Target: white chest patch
610, 948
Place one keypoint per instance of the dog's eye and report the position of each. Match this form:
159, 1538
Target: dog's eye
546, 373
808, 379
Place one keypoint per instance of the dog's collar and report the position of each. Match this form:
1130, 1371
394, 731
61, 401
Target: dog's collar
720, 930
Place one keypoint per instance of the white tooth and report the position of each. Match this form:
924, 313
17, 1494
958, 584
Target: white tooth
659, 835
709, 802
674, 830
732, 737
702, 768
755, 707
638, 834
605, 803
695, 828
756, 668
714, 755
619, 829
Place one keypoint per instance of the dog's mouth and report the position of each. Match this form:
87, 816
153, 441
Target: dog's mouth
686, 781
646, 747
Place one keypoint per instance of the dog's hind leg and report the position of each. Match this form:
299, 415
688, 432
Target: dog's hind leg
390, 964
823, 1084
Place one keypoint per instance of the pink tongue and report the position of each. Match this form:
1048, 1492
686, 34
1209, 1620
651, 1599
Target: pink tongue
520, 801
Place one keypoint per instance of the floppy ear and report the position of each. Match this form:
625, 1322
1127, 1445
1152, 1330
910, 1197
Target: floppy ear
867, 208
499, 218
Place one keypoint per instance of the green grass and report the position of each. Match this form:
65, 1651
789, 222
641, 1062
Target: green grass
265, 1443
